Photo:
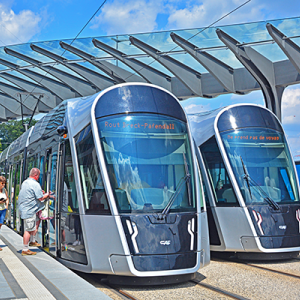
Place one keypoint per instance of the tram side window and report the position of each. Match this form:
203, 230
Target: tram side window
31, 163
69, 183
93, 191
221, 184
42, 170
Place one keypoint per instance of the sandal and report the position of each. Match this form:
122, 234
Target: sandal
1, 249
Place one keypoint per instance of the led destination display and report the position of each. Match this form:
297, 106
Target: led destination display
261, 138
137, 125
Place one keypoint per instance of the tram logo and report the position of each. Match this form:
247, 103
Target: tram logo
258, 219
282, 227
165, 243
298, 217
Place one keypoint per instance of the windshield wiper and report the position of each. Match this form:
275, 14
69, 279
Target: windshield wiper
251, 182
246, 177
183, 180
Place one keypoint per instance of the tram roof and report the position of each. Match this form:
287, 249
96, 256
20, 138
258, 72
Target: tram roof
36, 77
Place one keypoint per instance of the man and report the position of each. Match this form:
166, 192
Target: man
30, 197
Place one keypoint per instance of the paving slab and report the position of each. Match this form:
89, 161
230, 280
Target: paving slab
38, 277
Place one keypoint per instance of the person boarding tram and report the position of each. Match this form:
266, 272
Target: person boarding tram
30, 196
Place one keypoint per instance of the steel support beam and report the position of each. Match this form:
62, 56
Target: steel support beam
6, 113
290, 49
118, 74
27, 86
260, 68
44, 83
150, 74
13, 92
82, 87
188, 76
224, 74
94, 78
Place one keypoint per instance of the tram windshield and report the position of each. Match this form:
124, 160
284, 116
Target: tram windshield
149, 163
262, 165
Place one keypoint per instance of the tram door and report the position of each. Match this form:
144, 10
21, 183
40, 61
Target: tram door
15, 182
48, 231
69, 233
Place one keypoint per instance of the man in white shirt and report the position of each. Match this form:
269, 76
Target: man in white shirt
30, 197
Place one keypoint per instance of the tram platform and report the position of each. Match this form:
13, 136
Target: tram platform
39, 276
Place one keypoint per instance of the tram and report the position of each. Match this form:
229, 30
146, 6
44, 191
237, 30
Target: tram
250, 180
126, 192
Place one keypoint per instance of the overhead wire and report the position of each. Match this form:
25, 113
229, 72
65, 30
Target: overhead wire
168, 52
55, 63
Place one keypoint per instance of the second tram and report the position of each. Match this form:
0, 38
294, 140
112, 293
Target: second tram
251, 183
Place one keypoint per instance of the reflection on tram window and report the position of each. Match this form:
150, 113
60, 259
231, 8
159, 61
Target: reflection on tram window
225, 195
95, 199
148, 162
72, 243
262, 165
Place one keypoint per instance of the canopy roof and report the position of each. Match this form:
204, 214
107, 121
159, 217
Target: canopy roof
36, 77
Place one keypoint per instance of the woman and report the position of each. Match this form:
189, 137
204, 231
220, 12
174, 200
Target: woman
3, 201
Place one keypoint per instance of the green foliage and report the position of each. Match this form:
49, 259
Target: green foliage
11, 130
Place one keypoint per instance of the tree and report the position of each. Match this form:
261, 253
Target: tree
11, 130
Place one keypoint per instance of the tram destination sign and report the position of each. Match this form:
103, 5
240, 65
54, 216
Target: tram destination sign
260, 138
153, 126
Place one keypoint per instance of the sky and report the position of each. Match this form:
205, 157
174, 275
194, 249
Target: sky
24, 21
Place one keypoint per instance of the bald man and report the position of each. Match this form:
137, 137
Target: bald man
30, 197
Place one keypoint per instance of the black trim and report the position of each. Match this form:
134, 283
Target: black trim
138, 99
247, 116
156, 280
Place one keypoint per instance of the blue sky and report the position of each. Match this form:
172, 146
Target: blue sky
22, 21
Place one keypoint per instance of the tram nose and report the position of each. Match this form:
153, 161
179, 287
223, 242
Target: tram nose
148, 234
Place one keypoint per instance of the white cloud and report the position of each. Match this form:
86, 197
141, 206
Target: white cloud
291, 106
18, 28
119, 17
203, 13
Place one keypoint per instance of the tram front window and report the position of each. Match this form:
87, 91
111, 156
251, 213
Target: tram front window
149, 161
262, 165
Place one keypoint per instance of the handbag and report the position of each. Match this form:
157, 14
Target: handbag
47, 213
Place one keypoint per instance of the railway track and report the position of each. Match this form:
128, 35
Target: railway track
257, 266
219, 290
223, 279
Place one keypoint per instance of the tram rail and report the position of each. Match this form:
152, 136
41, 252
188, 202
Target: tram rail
219, 290
261, 267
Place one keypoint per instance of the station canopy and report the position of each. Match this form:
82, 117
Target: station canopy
202, 62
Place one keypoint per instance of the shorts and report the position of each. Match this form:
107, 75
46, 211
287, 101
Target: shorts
63, 222
2, 215
30, 224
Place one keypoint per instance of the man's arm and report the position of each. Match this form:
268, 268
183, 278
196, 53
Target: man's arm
45, 196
